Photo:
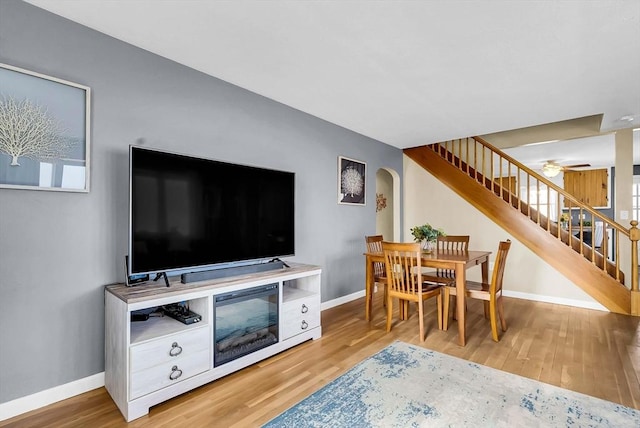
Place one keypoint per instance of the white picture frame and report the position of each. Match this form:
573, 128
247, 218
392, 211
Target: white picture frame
51, 151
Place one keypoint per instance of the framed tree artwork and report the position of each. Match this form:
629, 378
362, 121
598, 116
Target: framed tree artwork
351, 181
44, 132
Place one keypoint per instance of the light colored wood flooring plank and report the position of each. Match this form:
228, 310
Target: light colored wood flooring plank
592, 352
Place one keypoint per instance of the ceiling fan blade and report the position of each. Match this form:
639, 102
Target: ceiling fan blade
580, 165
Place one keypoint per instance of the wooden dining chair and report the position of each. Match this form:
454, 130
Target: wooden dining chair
447, 242
404, 282
491, 293
374, 245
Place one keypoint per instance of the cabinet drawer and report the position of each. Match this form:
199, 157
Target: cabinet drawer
168, 373
300, 315
300, 324
301, 307
169, 348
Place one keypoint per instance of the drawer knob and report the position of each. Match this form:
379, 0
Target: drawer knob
304, 325
175, 349
304, 309
175, 373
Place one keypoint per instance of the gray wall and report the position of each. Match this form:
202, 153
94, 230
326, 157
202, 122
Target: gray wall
59, 249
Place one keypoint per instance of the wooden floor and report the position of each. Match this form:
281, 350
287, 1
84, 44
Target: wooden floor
592, 352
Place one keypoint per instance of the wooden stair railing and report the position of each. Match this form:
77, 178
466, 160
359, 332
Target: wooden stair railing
542, 202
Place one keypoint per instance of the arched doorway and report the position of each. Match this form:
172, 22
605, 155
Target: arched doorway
388, 204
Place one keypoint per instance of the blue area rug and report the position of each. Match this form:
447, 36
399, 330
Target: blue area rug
408, 386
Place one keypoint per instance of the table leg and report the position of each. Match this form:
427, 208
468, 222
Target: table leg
368, 288
460, 305
485, 270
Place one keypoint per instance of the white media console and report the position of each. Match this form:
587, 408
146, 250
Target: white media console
148, 362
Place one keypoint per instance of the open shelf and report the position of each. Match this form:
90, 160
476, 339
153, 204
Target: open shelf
158, 326
290, 293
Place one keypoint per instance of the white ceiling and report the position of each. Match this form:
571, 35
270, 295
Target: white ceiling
598, 151
406, 73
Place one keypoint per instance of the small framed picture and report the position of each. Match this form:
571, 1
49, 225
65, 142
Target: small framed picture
44, 132
351, 181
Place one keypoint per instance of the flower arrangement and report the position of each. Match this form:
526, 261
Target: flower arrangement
564, 218
426, 232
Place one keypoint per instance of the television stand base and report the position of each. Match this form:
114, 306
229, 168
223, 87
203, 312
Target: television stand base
205, 275
162, 275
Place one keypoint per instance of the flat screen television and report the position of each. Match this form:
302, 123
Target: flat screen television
187, 213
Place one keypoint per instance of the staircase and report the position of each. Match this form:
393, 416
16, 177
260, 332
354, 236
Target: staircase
496, 185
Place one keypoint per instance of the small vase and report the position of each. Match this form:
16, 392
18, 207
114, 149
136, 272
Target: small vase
428, 246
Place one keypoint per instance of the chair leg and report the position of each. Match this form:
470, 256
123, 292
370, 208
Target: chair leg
390, 311
455, 303
503, 321
486, 309
439, 304
494, 320
386, 292
445, 309
421, 316
405, 311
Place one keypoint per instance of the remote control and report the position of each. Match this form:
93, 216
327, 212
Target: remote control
181, 314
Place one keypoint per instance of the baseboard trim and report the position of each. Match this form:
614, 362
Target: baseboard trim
557, 300
40, 399
516, 294
342, 300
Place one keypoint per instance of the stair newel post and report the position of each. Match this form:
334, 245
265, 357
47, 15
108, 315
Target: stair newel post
634, 236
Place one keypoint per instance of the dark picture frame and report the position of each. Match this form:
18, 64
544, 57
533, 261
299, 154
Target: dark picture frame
352, 181
48, 147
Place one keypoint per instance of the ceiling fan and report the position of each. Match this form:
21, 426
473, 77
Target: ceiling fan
552, 168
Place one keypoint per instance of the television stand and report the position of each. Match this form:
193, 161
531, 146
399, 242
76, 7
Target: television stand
207, 275
149, 362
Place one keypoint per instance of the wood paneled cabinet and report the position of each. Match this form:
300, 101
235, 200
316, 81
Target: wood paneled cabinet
508, 183
588, 186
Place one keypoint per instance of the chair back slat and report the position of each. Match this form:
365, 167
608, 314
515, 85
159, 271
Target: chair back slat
374, 245
451, 243
403, 264
498, 269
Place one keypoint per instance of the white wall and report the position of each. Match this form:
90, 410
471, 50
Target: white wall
427, 200
384, 217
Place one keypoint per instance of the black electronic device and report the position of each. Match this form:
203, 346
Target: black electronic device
145, 314
187, 212
139, 317
277, 260
136, 279
188, 277
181, 313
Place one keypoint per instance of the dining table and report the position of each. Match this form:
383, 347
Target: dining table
458, 261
